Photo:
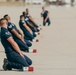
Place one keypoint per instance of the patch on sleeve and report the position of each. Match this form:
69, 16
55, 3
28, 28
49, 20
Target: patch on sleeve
46, 11
10, 26
7, 33
42, 13
26, 19
23, 21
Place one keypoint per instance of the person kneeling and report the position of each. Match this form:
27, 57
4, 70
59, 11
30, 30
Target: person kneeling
16, 59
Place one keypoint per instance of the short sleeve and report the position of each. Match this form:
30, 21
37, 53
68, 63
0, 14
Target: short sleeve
7, 34
26, 19
10, 27
23, 22
42, 13
47, 12
28, 15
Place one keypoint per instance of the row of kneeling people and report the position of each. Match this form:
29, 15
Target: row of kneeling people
14, 41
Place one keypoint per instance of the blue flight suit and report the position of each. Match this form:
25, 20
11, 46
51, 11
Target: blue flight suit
32, 22
44, 14
27, 34
15, 59
23, 46
27, 21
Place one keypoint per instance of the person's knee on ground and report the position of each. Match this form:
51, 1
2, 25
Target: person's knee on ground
29, 44
30, 36
33, 29
29, 61
49, 22
44, 23
17, 60
38, 30
34, 34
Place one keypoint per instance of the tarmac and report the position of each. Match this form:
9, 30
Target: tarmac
56, 49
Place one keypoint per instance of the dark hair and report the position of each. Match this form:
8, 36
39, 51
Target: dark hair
5, 15
23, 13
26, 9
21, 16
